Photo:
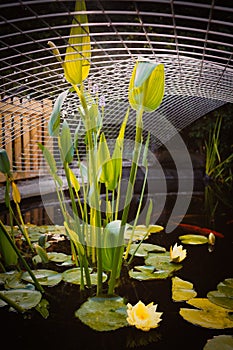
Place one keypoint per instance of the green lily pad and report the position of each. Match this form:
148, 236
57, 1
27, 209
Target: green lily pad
207, 315
223, 342
182, 290
162, 263
144, 248
220, 299
103, 314
45, 277
223, 296
58, 257
74, 276
145, 275
193, 239
25, 298
141, 232
226, 287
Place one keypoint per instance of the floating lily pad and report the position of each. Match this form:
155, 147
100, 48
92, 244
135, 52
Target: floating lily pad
220, 299
193, 239
58, 257
207, 315
141, 232
103, 314
144, 248
182, 290
25, 298
45, 277
142, 274
223, 296
74, 276
223, 342
162, 263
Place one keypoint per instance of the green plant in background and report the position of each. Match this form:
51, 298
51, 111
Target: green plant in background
96, 233
216, 168
7, 252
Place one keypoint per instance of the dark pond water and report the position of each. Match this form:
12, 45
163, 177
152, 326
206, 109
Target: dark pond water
203, 268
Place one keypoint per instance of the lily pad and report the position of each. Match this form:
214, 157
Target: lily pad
223, 296
45, 277
141, 274
207, 315
220, 299
58, 257
193, 239
182, 290
25, 298
162, 263
223, 342
141, 232
144, 248
103, 314
74, 276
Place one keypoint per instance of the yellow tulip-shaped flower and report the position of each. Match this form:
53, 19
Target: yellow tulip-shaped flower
177, 253
146, 87
143, 316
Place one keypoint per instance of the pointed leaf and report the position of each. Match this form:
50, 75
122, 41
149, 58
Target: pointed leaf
77, 58
54, 121
66, 146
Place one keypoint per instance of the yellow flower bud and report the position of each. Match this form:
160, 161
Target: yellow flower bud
146, 87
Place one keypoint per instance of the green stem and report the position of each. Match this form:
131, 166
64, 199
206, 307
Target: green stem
92, 166
38, 286
136, 219
12, 303
129, 193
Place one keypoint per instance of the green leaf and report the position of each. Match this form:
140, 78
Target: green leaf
4, 162
54, 121
42, 308
193, 239
78, 53
219, 342
66, 146
103, 314
104, 162
42, 253
44, 277
111, 242
74, 181
49, 158
209, 315
25, 298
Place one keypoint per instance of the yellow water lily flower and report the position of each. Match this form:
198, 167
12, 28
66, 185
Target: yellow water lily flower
177, 253
143, 316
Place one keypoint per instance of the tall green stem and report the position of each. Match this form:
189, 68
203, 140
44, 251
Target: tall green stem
129, 193
38, 286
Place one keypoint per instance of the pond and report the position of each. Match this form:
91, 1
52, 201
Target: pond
204, 268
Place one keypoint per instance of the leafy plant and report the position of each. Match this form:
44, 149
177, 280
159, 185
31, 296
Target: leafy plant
97, 235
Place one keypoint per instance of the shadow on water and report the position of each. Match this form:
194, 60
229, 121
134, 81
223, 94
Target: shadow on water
203, 268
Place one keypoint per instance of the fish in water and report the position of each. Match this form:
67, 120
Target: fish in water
200, 230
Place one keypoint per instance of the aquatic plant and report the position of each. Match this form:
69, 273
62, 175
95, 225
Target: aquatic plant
98, 235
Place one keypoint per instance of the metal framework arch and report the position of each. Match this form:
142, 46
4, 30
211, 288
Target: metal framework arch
192, 39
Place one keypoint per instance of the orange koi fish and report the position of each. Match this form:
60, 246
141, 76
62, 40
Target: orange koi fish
200, 230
